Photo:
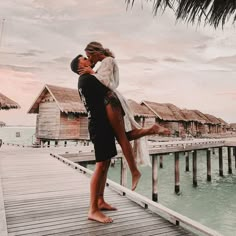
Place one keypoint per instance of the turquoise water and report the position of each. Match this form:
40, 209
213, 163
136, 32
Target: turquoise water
213, 204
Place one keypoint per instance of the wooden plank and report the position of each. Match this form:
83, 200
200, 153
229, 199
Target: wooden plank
3, 223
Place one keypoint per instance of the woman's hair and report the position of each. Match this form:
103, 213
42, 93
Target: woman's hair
74, 64
94, 47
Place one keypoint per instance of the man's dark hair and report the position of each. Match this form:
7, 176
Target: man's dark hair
74, 64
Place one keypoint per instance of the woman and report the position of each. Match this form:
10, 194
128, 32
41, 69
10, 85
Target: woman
118, 111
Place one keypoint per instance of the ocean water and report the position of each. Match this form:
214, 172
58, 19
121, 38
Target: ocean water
211, 203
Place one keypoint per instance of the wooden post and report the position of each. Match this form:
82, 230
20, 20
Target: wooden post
161, 161
56, 143
194, 168
65, 143
177, 187
48, 143
229, 161
213, 151
187, 161
235, 155
221, 161
154, 177
123, 174
208, 165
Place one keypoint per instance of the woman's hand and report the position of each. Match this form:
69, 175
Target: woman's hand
86, 70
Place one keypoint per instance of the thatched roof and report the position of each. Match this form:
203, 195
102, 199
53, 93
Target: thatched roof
222, 121
165, 111
140, 110
213, 119
193, 115
67, 99
213, 12
6, 103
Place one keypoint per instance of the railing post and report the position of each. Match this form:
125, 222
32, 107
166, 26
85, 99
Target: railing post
194, 168
154, 177
221, 161
187, 161
229, 161
161, 161
208, 165
123, 174
177, 185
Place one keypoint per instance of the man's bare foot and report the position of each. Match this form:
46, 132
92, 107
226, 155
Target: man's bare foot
102, 205
135, 180
99, 217
157, 129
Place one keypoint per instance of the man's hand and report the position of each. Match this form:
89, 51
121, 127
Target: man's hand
86, 70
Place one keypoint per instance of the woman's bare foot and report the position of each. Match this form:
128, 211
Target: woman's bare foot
157, 129
99, 217
102, 205
135, 180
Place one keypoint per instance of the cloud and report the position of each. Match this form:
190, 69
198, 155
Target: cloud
172, 59
18, 68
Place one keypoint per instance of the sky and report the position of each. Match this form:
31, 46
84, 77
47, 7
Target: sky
160, 60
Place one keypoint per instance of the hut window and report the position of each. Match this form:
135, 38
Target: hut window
71, 116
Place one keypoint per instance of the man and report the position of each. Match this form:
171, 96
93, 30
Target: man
92, 93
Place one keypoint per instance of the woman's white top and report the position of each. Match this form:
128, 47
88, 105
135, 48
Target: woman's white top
108, 74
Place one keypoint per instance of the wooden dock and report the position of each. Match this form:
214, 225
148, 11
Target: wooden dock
40, 195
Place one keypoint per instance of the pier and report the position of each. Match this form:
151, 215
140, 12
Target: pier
40, 195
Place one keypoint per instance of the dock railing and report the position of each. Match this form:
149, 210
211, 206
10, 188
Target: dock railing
166, 213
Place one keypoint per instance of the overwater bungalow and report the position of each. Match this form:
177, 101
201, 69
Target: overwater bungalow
195, 122
144, 116
2, 124
61, 115
168, 115
214, 126
6, 103
232, 127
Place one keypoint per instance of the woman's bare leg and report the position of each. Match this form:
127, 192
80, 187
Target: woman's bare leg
139, 133
116, 120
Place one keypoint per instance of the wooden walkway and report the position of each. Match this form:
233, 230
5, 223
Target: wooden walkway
43, 196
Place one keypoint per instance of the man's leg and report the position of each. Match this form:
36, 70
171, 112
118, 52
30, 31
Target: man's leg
95, 187
116, 119
102, 204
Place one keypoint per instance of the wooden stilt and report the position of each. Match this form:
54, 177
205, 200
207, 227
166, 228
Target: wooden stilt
65, 143
56, 143
235, 156
177, 185
195, 168
229, 161
208, 165
220, 161
187, 161
161, 161
154, 177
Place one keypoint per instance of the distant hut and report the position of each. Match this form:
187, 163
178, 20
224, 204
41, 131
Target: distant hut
2, 124
61, 115
233, 127
195, 122
223, 126
215, 124
6, 103
168, 115
144, 116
